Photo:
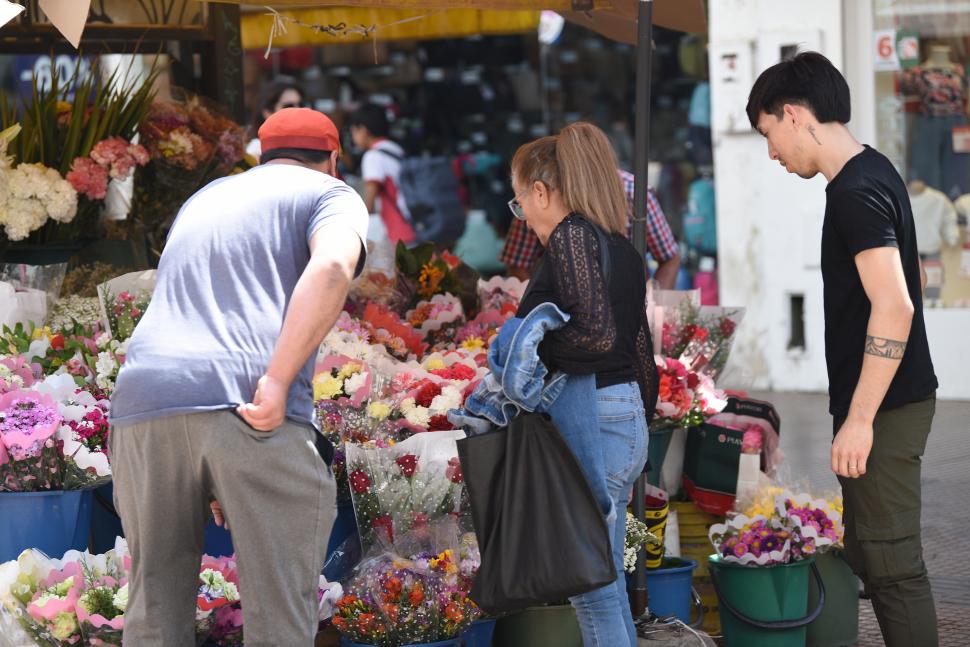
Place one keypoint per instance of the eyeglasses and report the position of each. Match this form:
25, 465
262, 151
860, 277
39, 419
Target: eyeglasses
516, 208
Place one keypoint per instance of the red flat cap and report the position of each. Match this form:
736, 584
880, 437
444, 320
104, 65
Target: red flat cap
299, 128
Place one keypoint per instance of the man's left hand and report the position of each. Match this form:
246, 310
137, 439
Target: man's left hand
851, 448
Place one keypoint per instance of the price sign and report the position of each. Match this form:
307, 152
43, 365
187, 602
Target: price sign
885, 56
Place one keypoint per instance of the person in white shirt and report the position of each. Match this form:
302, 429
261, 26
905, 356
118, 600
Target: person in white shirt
381, 172
936, 228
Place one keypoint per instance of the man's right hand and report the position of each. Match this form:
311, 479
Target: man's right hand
268, 409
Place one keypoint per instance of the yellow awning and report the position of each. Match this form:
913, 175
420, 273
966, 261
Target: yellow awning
392, 24
615, 19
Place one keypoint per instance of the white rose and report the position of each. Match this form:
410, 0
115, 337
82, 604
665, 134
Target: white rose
103, 340
120, 599
354, 383
418, 416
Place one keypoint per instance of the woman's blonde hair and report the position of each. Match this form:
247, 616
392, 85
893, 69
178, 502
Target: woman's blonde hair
580, 163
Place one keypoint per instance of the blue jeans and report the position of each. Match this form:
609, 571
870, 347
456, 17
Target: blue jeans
604, 614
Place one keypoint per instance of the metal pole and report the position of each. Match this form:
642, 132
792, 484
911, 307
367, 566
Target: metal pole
641, 159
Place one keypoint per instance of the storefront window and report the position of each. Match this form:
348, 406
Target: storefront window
922, 61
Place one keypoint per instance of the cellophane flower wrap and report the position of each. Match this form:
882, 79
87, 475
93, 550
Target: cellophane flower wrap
404, 488
30, 454
411, 596
686, 398
797, 527
700, 336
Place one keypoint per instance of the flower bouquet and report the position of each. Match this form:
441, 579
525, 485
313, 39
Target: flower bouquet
394, 601
79, 126
686, 398
101, 607
83, 597
31, 458
796, 528
31, 194
637, 535
404, 488
423, 272
189, 144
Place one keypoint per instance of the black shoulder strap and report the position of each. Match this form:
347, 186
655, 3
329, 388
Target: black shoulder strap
389, 153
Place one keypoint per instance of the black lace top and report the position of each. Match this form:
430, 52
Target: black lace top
607, 333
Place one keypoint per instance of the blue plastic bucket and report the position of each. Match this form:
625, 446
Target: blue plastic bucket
453, 642
53, 522
480, 633
669, 588
218, 541
343, 526
105, 523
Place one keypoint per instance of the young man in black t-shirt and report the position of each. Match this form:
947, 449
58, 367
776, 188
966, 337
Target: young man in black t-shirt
881, 381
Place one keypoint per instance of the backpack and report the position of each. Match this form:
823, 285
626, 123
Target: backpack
700, 220
430, 190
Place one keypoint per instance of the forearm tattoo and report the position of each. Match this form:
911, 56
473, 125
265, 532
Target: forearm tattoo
885, 347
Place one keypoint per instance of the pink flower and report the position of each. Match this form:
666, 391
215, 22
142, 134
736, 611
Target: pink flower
118, 156
29, 420
88, 178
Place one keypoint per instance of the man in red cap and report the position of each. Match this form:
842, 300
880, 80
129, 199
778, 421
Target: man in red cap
214, 402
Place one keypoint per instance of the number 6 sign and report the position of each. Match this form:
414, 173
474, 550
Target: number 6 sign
885, 55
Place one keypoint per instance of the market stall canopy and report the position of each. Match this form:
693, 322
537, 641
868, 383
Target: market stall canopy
615, 19
360, 23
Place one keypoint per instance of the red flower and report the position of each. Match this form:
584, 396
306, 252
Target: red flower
727, 327
453, 471
384, 526
426, 394
688, 331
453, 613
439, 423
416, 596
365, 621
450, 259
700, 334
692, 380
359, 481
421, 519
393, 588
408, 463
57, 342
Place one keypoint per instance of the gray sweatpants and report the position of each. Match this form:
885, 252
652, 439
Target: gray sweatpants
277, 495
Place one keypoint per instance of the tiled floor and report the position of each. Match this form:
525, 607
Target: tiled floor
806, 435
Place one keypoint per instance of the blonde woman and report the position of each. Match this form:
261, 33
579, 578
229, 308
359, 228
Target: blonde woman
568, 192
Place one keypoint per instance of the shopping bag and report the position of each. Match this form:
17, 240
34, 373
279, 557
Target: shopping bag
713, 453
540, 531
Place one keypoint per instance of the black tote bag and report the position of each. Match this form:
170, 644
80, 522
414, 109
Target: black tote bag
540, 531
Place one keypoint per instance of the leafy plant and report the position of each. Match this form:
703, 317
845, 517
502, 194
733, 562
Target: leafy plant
56, 131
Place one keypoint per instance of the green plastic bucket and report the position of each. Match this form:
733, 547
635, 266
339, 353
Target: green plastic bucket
838, 626
657, 452
554, 626
765, 606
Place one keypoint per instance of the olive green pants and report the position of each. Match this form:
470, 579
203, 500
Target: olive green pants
882, 526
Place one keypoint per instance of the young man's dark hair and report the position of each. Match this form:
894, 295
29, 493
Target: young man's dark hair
807, 79
373, 118
304, 155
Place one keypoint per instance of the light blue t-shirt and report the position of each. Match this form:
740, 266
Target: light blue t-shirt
233, 257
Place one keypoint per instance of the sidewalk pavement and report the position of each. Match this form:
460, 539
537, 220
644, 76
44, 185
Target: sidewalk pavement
806, 434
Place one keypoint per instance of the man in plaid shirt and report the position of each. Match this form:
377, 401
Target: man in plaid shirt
522, 248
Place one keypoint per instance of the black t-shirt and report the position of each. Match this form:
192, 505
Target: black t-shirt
867, 206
